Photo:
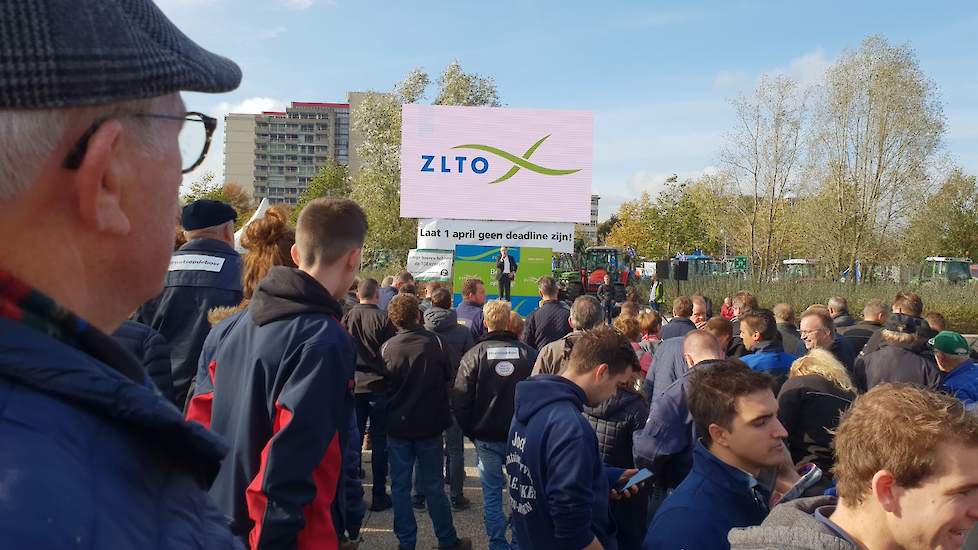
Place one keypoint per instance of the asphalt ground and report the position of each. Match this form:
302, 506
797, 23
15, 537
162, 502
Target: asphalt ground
378, 527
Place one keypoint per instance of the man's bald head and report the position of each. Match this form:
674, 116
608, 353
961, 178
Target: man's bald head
700, 345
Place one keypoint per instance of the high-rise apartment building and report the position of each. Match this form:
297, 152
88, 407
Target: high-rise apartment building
590, 230
275, 154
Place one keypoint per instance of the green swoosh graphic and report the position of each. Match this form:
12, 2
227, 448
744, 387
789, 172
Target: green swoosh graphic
519, 162
478, 257
529, 152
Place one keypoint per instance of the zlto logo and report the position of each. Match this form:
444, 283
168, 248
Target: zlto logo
480, 165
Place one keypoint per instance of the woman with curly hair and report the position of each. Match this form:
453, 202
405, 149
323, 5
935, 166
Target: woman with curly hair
268, 241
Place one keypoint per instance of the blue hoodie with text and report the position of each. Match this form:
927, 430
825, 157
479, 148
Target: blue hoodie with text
559, 489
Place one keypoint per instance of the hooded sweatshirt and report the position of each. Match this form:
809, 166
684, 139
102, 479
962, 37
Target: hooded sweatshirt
284, 399
559, 490
792, 526
457, 339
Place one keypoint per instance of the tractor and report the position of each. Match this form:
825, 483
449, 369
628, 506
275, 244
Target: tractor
589, 272
941, 269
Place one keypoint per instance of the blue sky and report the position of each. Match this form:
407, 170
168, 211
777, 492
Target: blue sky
659, 76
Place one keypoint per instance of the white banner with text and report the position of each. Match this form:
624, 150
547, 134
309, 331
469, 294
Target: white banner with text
430, 265
445, 234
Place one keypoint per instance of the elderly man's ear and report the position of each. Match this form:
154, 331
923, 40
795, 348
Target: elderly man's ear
98, 181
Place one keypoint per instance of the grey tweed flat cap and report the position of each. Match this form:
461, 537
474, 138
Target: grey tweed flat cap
68, 53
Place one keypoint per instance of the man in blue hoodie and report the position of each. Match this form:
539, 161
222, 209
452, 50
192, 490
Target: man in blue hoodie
736, 415
559, 489
759, 331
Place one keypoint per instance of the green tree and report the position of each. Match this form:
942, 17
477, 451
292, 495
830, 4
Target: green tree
376, 186
947, 223
634, 226
604, 228
878, 126
230, 193
761, 157
332, 181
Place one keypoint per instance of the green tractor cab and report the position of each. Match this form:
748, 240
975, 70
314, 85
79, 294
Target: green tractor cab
942, 269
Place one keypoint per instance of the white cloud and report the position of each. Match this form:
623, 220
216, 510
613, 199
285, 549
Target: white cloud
654, 182
214, 162
728, 79
807, 69
303, 4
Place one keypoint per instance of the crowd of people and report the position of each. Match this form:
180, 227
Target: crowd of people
233, 408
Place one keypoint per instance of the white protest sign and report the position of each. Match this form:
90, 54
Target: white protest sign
259, 214
430, 265
445, 234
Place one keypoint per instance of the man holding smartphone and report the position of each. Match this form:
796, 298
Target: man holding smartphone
559, 490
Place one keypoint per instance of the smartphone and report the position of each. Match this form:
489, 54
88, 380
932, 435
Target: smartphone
641, 476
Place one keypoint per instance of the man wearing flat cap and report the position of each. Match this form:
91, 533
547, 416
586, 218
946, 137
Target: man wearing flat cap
900, 359
91, 132
204, 273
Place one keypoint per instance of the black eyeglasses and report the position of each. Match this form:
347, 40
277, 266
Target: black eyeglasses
195, 138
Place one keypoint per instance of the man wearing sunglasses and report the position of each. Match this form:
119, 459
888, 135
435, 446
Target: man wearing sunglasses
91, 123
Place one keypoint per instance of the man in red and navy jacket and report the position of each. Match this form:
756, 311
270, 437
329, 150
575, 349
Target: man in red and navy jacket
282, 378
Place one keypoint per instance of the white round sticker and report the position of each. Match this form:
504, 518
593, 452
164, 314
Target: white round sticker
505, 368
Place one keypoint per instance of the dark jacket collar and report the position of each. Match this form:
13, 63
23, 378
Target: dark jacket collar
500, 336
207, 245
287, 292
415, 329
723, 475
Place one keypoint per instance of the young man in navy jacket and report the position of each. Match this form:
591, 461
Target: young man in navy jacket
559, 489
736, 415
284, 394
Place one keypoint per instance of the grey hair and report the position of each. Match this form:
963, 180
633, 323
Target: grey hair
838, 303
586, 313
29, 136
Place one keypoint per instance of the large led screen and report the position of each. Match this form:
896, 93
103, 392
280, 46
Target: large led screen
484, 163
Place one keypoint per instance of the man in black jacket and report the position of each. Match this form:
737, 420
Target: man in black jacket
457, 339
204, 273
551, 321
839, 310
506, 267
606, 294
858, 335
899, 359
418, 374
370, 328
485, 389
791, 341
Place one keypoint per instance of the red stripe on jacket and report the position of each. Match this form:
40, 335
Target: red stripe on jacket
202, 405
318, 532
